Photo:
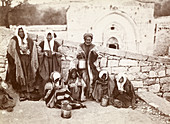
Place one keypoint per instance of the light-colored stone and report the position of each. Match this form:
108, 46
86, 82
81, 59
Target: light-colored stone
143, 75
149, 82
144, 63
162, 104
112, 63
152, 74
168, 71
165, 87
142, 90
65, 64
167, 96
136, 56
113, 58
126, 62
161, 73
2, 70
146, 68
154, 88
117, 70
165, 80
137, 84
103, 62
107, 69
134, 69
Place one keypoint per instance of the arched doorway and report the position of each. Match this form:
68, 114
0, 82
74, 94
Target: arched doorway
116, 25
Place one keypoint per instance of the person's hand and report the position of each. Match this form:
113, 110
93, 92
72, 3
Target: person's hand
53, 53
28, 52
45, 53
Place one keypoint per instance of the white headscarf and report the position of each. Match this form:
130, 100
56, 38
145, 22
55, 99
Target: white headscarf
102, 73
18, 37
120, 85
46, 45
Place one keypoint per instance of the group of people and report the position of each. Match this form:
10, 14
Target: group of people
34, 71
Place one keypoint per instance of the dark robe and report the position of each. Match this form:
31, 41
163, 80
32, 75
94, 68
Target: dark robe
90, 57
47, 65
22, 68
102, 88
124, 98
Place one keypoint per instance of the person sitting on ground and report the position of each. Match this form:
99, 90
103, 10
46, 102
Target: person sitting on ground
76, 85
8, 97
56, 92
103, 86
123, 93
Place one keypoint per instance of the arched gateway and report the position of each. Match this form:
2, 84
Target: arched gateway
116, 27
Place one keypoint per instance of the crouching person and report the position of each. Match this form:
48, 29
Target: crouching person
8, 97
103, 86
56, 92
76, 85
123, 94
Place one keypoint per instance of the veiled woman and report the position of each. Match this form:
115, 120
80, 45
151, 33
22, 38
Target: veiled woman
49, 59
22, 63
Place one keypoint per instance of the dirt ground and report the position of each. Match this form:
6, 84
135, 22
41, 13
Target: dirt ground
35, 112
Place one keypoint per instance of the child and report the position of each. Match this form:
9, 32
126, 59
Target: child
103, 86
123, 94
7, 97
76, 85
56, 92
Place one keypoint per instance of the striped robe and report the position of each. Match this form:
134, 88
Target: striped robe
54, 96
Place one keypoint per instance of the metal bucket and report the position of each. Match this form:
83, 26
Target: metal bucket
82, 64
66, 109
104, 101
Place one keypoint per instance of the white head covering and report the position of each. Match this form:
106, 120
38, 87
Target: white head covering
55, 75
101, 73
46, 45
18, 37
120, 85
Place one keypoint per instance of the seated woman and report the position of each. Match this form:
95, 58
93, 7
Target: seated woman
7, 96
56, 92
123, 94
76, 85
103, 86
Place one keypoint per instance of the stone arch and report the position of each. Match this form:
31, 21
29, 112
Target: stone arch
127, 32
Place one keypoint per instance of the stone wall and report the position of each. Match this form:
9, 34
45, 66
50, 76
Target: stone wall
147, 73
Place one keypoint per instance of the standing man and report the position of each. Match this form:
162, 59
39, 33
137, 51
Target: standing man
87, 60
22, 63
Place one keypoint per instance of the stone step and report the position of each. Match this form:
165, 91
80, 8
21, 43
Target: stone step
156, 101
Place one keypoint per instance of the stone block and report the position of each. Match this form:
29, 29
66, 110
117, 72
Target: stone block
167, 96
165, 87
168, 71
154, 88
165, 80
112, 63
146, 68
103, 62
149, 82
127, 62
107, 69
113, 58
143, 76
2, 70
152, 74
134, 69
136, 56
142, 90
161, 73
162, 104
144, 63
137, 84
131, 76
65, 64
116, 70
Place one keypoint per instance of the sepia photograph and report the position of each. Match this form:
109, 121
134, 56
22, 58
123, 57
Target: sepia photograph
84, 61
